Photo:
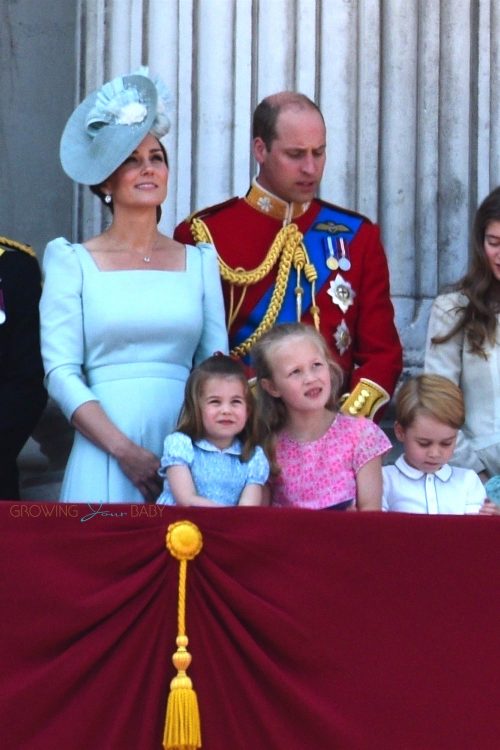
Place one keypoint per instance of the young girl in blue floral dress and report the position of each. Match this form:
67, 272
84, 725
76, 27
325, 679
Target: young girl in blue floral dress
213, 458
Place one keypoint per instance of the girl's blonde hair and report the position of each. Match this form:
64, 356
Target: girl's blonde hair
272, 410
430, 395
190, 420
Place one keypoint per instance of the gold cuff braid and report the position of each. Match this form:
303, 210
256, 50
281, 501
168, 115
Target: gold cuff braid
365, 400
287, 248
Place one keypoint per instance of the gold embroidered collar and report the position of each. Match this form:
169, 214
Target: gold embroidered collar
267, 203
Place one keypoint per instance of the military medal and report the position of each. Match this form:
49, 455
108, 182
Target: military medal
344, 262
342, 337
331, 260
341, 293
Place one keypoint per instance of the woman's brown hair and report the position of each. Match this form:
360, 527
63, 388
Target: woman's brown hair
478, 317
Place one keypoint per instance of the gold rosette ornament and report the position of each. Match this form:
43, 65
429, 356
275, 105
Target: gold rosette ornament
182, 725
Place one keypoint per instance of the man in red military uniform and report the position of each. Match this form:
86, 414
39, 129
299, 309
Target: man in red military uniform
285, 255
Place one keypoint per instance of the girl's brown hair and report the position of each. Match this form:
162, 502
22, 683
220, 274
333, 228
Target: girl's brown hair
190, 420
478, 317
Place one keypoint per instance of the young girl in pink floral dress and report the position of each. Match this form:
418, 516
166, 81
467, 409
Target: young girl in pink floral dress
321, 458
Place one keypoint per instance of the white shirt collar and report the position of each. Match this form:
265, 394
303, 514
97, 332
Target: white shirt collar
205, 445
404, 467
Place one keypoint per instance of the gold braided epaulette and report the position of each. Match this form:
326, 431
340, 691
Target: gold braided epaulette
8, 244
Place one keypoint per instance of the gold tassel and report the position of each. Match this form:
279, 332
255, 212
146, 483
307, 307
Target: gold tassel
182, 723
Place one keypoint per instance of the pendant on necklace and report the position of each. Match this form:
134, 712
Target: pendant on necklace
147, 259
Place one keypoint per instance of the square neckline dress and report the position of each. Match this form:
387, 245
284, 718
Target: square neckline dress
128, 339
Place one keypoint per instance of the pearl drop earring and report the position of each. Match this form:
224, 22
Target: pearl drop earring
107, 199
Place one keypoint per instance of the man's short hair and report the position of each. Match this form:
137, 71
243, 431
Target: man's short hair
267, 112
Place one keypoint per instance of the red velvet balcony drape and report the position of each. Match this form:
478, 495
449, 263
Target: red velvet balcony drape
308, 629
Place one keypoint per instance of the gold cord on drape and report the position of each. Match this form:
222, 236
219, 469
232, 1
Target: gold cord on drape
182, 725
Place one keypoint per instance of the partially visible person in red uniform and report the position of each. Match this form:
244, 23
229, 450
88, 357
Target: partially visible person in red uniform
286, 255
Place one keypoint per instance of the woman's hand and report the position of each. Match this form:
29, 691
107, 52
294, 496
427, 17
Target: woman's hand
140, 466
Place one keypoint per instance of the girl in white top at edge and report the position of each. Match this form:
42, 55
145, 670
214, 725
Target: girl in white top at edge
463, 343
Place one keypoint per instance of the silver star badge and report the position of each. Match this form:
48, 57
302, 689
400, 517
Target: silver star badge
341, 292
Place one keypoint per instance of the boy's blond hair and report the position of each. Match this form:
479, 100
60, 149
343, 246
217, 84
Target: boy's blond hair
430, 395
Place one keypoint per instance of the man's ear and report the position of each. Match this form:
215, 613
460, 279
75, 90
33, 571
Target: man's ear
399, 431
268, 386
259, 150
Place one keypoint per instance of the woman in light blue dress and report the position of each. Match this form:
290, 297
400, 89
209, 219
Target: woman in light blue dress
126, 314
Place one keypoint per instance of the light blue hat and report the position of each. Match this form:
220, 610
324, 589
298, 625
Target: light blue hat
109, 125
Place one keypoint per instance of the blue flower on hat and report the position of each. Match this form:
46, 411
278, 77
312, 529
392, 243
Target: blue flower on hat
115, 105
161, 123
118, 105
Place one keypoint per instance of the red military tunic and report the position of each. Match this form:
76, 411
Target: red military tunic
356, 312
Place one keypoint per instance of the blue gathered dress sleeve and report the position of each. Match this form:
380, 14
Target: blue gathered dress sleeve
258, 467
214, 336
177, 451
61, 326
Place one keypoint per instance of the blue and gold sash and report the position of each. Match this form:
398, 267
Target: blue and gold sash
329, 222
